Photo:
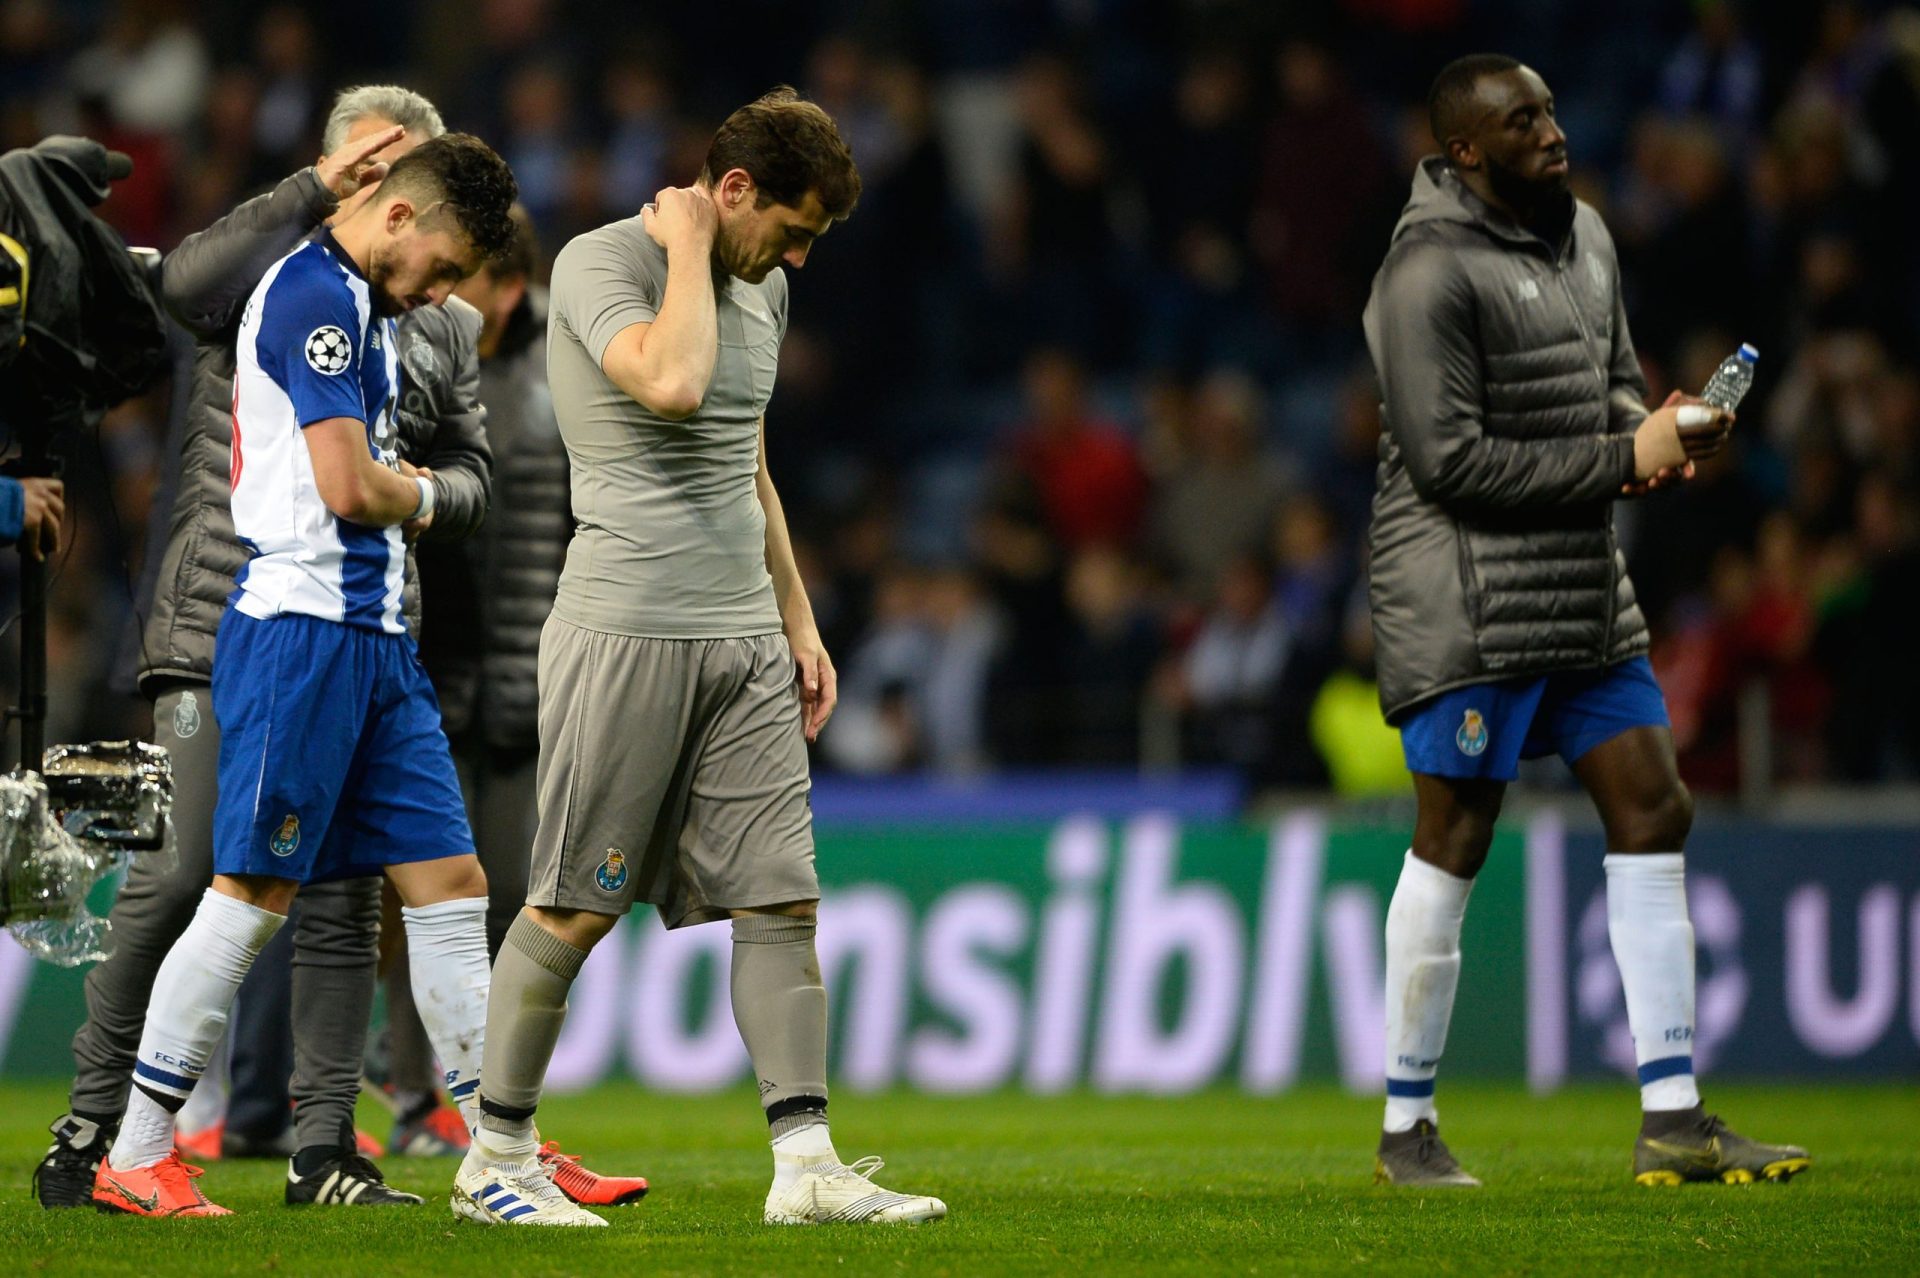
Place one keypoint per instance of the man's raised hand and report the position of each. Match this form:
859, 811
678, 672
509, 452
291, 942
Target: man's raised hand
353, 166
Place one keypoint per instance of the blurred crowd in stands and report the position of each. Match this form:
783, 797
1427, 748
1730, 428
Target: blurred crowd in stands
1075, 427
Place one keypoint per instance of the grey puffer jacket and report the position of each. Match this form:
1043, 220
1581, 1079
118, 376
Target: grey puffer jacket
1510, 392
487, 598
206, 283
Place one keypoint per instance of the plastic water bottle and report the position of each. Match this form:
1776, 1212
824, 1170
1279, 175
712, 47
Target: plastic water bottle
1732, 380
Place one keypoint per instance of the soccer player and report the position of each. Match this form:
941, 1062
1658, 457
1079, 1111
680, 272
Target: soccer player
681, 672
207, 282
1504, 620
332, 762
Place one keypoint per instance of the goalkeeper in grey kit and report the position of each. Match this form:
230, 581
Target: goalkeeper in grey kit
681, 672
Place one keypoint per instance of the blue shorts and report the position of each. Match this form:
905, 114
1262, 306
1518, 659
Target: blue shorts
332, 761
1484, 730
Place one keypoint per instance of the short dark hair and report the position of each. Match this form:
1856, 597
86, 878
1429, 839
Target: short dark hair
1452, 91
469, 182
790, 147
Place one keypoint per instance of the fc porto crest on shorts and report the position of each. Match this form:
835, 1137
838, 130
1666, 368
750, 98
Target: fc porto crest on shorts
286, 839
186, 716
1472, 737
612, 874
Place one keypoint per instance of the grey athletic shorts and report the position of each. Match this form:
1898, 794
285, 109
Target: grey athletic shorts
672, 771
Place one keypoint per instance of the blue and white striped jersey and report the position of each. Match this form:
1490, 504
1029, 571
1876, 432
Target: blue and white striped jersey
311, 348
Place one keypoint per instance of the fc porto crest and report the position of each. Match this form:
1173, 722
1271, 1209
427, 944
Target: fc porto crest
186, 716
286, 839
612, 874
1472, 737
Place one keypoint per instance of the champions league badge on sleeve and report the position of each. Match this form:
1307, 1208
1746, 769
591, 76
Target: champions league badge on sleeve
612, 874
287, 838
1472, 737
329, 350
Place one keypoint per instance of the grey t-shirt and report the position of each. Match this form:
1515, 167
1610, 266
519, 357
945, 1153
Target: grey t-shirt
669, 537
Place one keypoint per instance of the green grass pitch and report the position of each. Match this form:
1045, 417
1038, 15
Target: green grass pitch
1216, 1183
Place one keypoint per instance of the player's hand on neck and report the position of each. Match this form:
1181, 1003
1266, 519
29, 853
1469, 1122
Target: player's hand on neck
683, 220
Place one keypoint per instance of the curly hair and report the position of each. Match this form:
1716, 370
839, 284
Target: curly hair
790, 147
468, 181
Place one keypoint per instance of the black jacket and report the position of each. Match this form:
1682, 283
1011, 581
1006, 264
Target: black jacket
91, 333
1510, 394
207, 281
488, 597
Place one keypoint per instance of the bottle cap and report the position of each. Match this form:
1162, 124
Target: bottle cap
1748, 352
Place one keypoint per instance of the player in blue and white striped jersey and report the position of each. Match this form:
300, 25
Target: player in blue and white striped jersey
332, 760
313, 346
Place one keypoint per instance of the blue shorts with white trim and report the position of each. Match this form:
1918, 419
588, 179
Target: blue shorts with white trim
332, 761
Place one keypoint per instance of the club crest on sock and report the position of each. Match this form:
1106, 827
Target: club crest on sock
1472, 737
286, 839
612, 874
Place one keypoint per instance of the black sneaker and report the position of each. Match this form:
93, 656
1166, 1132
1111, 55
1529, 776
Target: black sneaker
351, 1179
1701, 1147
64, 1178
1418, 1156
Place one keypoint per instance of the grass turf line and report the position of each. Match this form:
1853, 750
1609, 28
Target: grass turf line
1207, 1184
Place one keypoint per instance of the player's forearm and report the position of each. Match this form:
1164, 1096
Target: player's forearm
1483, 472
377, 496
677, 357
789, 590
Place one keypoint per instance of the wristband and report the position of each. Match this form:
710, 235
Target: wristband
1693, 416
425, 507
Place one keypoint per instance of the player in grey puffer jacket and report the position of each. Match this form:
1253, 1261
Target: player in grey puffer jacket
1511, 397
1505, 626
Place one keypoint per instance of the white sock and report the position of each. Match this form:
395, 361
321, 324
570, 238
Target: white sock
1653, 947
207, 1107
447, 954
192, 994
804, 1147
1423, 970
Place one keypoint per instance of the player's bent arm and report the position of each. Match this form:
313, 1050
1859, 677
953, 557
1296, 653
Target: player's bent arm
661, 392
352, 484
1425, 330
667, 365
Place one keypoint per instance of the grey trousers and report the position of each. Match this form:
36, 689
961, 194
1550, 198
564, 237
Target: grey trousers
498, 786
335, 937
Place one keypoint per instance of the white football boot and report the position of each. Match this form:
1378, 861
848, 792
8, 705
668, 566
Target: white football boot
489, 1192
831, 1192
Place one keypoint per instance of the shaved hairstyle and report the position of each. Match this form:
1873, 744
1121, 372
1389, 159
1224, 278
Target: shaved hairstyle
1450, 99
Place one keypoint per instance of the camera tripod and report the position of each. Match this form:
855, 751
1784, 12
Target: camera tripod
35, 462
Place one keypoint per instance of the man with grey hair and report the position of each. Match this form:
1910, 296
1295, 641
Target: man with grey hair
369, 105
207, 282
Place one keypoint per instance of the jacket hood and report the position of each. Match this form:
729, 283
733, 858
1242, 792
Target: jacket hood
1440, 196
